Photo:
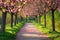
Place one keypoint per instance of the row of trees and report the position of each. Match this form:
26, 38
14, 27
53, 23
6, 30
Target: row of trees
30, 8
13, 7
39, 8
50, 5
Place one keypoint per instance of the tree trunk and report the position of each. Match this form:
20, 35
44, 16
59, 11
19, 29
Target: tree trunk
11, 19
39, 19
53, 21
4, 14
26, 18
15, 19
45, 19
36, 19
21, 18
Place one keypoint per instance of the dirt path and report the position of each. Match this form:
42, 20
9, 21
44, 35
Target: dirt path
29, 32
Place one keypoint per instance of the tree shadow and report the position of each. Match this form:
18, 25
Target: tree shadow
31, 36
7, 36
54, 32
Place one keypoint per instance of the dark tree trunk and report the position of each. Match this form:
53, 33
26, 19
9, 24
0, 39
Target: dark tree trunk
15, 19
21, 18
45, 19
12, 19
30, 18
26, 18
39, 19
36, 19
4, 14
53, 21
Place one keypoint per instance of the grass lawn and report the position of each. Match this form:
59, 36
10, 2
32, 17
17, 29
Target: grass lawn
10, 33
53, 35
48, 30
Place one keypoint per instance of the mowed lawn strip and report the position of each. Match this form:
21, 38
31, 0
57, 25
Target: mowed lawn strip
10, 33
52, 35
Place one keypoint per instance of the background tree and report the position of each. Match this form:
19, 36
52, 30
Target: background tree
52, 5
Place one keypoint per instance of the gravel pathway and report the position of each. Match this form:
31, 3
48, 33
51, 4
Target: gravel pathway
29, 32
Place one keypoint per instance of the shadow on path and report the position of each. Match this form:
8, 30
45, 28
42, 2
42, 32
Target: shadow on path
29, 32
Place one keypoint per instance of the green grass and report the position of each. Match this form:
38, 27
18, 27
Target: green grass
48, 30
10, 33
52, 35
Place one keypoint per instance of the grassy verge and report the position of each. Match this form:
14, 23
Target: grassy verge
52, 35
48, 30
10, 33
